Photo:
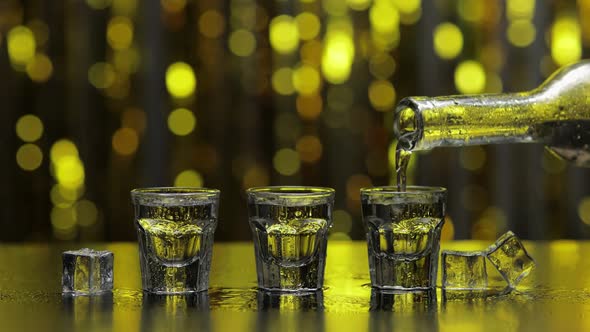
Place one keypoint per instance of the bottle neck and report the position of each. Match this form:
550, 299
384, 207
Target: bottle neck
423, 123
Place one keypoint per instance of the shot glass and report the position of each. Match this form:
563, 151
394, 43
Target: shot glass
403, 235
175, 229
290, 228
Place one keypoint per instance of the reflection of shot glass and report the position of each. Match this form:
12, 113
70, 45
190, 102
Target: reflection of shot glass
403, 235
290, 229
175, 229
309, 301
403, 301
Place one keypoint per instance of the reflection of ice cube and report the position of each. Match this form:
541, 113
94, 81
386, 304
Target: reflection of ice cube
87, 271
464, 270
509, 256
410, 237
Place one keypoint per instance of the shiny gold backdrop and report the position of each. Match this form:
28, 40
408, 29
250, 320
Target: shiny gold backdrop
102, 96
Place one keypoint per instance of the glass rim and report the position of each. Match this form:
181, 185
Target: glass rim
291, 191
163, 192
410, 190
290, 195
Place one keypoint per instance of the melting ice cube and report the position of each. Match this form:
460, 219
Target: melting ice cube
87, 272
511, 259
464, 269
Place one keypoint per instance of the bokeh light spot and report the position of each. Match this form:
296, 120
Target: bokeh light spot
57, 199
21, 45
120, 32
335, 8
124, 7
382, 95
493, 83
255, 176
309, 149
181, 122
62, 148
29, 128
384, 16
188, 178
63, 197
282, 81
337, 57
180, 80
493, 56
470, 77
311, 53
125, 141
211, 24
101, 75
40, 31
134, 118
242, 42
407, 6
173, 6
354, 185
127, 60
309, 107
516, 9
306, 80
29, 157
566, 40
71, 194
382, 66
492, 221
472, 158
359, 5
584, 210
63, 219
308, 25
98, 4
521, 33
448, 40
69, 171
286, 162
283, 34
471, 10
40, 69
86, 213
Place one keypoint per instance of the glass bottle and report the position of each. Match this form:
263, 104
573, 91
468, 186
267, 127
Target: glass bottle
557, 114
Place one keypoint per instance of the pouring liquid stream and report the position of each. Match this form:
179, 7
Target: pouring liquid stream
402, 159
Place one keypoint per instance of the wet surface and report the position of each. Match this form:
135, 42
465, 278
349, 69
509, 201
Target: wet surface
556, 296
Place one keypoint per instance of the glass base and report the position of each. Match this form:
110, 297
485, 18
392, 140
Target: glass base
83, 293
157, 292
301, 291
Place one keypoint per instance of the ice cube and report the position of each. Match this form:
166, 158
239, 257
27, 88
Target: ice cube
464, 269
295, 242
511, 259
87, 272
406, 238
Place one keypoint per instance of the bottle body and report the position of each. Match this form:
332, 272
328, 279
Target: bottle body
557, 114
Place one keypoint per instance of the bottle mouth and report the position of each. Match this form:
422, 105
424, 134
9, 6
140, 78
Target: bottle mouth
407, 124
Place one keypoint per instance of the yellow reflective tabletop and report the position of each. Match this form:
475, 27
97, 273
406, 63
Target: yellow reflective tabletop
556, 296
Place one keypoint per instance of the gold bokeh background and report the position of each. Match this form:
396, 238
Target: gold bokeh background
102, 96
